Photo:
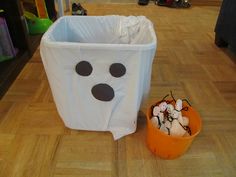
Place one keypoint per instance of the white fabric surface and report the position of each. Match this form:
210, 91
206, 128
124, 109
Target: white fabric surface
102, 41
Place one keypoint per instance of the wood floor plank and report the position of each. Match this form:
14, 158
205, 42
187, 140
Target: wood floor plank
215, 72
203, 93
30, 155
4, 109
86, 154
22, 91
228, 91
5, 144
40, 118
11, 121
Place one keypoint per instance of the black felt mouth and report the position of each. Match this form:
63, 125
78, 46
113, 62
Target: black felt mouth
103, 92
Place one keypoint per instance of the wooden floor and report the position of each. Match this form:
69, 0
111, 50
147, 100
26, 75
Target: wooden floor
35, 143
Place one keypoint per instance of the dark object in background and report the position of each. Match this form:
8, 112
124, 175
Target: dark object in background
143, 2
7, 50
52, 13
164, 2
174, 3
77, 9
225, 30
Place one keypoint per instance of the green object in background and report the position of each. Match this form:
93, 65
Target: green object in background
1, 10
4, 58
37, 25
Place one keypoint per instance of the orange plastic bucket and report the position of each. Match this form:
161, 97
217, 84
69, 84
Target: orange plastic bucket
170, 147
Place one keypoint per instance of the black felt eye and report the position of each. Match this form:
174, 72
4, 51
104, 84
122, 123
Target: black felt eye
117, 70
84, 68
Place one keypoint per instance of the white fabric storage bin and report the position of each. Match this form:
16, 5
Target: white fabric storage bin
99, 70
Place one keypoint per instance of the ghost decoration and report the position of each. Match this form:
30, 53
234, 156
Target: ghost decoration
185, 121
176, 129
170, 108
97, 83
169, 119
156, 110
163, 106
179, 105
155, 122
159, 116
